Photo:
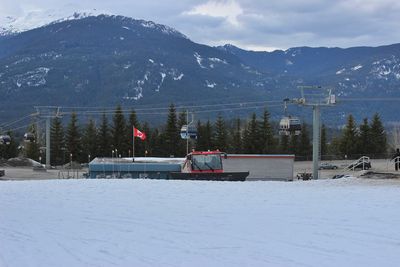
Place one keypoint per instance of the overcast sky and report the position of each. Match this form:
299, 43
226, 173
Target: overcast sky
250, 24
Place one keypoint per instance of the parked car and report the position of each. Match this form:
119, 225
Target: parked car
327, 166
363, 165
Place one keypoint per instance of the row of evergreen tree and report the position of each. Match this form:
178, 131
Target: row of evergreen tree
254, 136
366, 139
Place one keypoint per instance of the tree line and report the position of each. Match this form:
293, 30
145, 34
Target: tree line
104, 138
365, 139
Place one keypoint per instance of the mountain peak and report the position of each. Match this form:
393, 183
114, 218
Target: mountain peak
11, 25
230, 48
126, 21
35, 19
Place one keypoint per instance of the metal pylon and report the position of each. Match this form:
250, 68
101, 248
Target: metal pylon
48, 113
316, 97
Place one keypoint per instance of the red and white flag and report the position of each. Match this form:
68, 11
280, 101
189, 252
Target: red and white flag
137, 133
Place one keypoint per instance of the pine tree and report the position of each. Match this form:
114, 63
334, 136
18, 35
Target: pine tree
378, 137
221, 136
204, 139
236, 145
348, 144
147, 142
334, 147
171, 132
198, 145
104, 138
32, 149
73, 139
284, 144
293, 144
157, 143
119, 133
364, 145
133, 121
267, 134
182, 119
305, 148
57, 142
324, 145
89, 138
10, 150
208, 135
251, 138
200, 137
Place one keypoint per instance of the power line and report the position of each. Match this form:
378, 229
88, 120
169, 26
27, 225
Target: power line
152, 109
149, 111
105, 109
16, 121
369, 99
20, 127
155, 110
177, 104
195, 108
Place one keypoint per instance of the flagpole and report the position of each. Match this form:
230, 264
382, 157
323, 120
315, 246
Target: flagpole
133, 144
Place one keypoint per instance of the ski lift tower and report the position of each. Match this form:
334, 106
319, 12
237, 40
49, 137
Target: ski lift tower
48, 113
316, 97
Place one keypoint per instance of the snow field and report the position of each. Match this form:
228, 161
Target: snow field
345, 222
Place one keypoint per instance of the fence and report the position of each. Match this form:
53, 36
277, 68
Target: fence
344, 157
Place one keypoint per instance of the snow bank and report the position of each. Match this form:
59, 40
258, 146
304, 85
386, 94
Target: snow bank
344, 222
27, 162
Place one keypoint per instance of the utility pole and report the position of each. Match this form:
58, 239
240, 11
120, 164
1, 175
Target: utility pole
48, 113
187, 130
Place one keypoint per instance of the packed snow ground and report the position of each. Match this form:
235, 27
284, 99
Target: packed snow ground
345, 222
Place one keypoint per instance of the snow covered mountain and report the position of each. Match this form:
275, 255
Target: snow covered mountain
355, 73
38, 18
104, 60
350, 71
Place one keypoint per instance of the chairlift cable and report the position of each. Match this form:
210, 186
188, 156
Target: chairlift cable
177, 104
389, 99
113, 109
20, 127
138, 111
16, 121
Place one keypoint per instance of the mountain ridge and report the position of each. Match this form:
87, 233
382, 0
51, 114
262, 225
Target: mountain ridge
110, 59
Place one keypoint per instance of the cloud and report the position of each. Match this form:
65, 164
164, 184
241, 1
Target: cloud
9, 8
225, 9
289, 23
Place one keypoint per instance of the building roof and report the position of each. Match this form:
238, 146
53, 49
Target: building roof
107, 160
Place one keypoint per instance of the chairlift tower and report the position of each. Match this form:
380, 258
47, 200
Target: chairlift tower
316, 97
48, 113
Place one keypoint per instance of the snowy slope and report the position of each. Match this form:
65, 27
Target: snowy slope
39, 18
345, 222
